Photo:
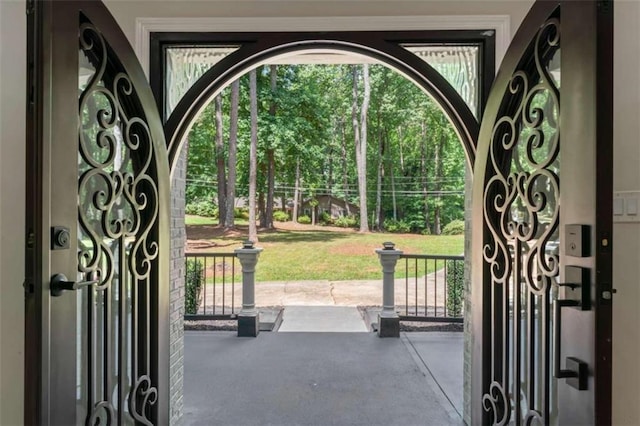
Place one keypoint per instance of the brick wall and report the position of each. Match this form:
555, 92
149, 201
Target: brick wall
176, 300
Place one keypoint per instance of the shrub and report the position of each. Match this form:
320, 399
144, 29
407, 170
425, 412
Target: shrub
415, 221
194, 280
304, 219
280, 216
241, 213
326, 218
455, 287
455, 227
346, 222
201, 208
396, 226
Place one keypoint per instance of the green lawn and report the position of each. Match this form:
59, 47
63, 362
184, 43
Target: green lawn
314, 253
200, 220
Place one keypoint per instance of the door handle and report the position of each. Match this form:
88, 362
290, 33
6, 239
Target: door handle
576, 371
60, 283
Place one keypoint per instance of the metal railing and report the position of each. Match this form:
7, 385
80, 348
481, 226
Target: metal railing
213, 287
433, 289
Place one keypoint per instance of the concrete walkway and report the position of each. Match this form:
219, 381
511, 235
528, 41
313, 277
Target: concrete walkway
336, 319
288, 379
332, 293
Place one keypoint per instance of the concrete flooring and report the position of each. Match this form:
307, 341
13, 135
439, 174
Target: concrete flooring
322, 379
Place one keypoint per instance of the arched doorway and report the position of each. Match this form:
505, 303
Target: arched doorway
250, 50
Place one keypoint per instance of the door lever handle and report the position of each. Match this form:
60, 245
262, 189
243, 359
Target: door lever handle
576, 371
60, 283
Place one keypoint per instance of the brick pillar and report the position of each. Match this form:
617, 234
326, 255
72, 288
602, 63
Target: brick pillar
176, 299
468, 342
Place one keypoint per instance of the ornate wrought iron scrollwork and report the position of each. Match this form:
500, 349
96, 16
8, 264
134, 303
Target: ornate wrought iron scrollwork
117, 217
497, 403
103, 413
521, 217
141, 398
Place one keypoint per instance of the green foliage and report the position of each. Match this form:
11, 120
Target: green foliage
193, 286
326, 218
455, 227
346, 222
304, 219
397, 226
202, 208
455, 287
415, 220
307, 119
280, 216
241, 213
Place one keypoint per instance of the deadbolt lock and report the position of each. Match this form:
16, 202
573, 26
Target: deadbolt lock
60, 238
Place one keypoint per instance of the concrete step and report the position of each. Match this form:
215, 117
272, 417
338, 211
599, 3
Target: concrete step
319, 319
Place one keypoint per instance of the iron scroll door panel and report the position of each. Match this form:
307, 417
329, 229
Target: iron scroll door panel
542, 202
97, 312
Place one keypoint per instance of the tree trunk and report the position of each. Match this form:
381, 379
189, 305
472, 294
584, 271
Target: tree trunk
437, 229
271, 157
345, 175
271, 183
262, 210
296, 192
360, 134
330, 179
229, 222
222, 184
400, 143
423, 174
253, 153
393, 183
378, 216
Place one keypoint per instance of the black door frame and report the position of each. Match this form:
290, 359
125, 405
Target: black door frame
384, 46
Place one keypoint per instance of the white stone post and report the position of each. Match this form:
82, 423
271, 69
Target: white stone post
248, 318
388, 321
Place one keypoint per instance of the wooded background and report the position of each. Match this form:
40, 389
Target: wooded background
360, 133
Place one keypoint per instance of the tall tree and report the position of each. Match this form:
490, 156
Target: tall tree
437, 226
360, 138
253, 154
345, 174
220, 167
229, 221
378, 212
423, 172
296, 192
394, 203
271, 156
